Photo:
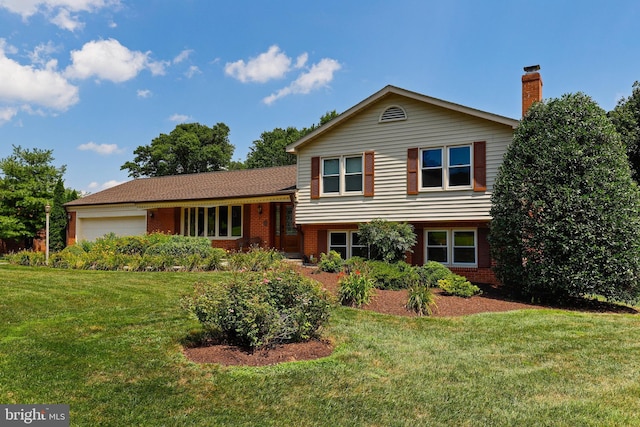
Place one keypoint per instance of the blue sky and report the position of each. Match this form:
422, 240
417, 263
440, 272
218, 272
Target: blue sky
94, 79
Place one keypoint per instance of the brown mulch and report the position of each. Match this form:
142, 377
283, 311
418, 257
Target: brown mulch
492, 299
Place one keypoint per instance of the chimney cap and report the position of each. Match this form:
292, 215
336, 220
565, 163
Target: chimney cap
532, 68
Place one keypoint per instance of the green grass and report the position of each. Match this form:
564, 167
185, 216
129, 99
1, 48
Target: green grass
108, 344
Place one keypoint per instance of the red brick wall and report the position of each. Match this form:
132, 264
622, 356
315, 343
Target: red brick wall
163, 220
258, 224
315, 243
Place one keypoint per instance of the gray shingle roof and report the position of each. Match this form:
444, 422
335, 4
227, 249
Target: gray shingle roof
200, 186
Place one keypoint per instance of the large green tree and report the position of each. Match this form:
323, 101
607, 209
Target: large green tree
566, 211
626, 118
270, 149
26, 186
189, 148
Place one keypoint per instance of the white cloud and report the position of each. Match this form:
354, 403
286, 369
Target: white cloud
111, 183
320, 75
43, 86
179, 118
6, 114
57, 11
42, 53
144, 93
97, 186
192, 71
302, 60
102, 149
182, 56
273, 64
65, 21
109, 60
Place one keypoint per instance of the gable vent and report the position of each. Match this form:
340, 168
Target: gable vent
392, 114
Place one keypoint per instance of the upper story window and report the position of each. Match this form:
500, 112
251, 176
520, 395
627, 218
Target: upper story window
342, 175
392, 114
446, 167
212, 222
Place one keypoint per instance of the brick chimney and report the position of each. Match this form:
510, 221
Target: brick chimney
531, 87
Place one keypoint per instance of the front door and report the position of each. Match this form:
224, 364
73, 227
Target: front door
286, 233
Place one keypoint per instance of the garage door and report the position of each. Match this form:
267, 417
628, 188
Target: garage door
91, 228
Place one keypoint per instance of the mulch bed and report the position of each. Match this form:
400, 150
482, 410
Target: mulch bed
387, 302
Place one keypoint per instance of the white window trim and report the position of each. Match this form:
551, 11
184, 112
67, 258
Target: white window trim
450, 246
445, 169
217, 236
349, 235
342, 176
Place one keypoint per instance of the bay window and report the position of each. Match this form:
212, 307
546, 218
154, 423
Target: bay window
212, 222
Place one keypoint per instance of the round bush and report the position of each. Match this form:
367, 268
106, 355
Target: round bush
260, 309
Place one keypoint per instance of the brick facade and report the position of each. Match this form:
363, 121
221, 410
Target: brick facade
315, 243
163, 220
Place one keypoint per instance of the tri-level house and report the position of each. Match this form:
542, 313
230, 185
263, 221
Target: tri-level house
397, 155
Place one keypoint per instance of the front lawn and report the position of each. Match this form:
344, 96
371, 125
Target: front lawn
108, 344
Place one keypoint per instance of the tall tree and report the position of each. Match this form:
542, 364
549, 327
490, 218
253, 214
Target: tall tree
626, 118
58, 220
189, 148
25, 188
566, 211
270, 149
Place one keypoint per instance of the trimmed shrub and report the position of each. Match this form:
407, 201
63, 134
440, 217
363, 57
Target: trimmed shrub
387, 241
181, 246
355, 289
256, 259
421, 299
70, 257
28, 258
431, 272
331, 262
398, 275
565, 209
256, 310
458, 286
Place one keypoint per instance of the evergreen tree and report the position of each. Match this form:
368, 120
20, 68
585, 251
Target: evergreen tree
626, 118
58, 220
566, 211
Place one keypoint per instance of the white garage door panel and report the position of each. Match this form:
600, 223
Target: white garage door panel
91, 228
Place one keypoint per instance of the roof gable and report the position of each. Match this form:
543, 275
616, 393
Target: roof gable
200, 186
393, 90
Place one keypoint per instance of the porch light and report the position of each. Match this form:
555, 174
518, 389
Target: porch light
259, 209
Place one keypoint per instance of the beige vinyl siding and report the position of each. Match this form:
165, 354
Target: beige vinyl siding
426, 126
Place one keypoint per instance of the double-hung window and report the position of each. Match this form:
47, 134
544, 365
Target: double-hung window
452, 247
347, 244
212, 222
342, 175
446, 167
